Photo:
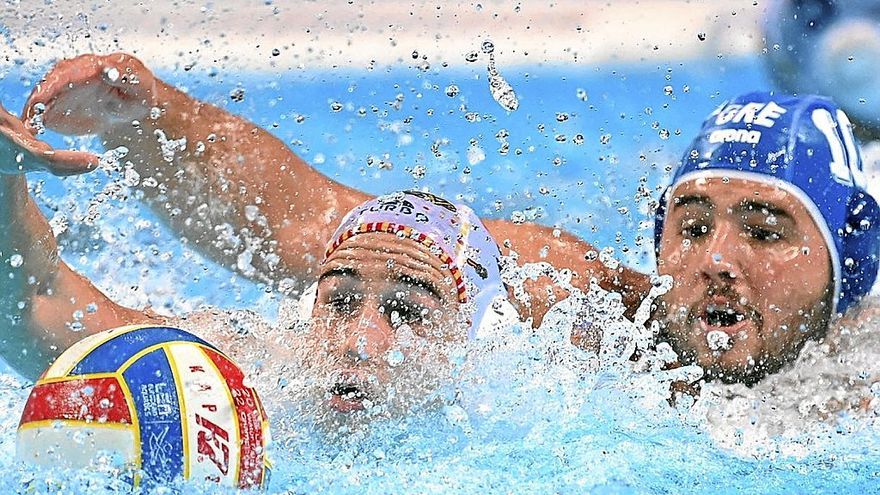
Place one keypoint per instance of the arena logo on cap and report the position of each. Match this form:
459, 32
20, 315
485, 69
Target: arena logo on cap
735, 136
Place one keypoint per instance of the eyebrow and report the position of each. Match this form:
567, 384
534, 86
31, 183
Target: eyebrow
697, 199
770, 208
409, 280
339, 272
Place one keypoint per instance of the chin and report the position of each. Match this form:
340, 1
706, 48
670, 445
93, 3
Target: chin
748, 366
339, 420
740, 372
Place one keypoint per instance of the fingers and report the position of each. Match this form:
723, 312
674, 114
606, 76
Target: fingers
32, 154
116, 76
63, 75
66, 162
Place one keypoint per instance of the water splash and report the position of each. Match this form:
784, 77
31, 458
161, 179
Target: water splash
502, 91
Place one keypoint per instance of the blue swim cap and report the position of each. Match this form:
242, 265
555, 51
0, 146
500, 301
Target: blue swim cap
805, 146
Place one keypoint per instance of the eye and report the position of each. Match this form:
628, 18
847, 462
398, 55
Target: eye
404, 312
343, 303
692, 228
763, 234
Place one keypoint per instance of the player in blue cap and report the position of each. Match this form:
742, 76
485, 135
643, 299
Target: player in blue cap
767, 231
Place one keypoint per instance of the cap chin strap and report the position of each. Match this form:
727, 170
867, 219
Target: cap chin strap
306, 304
498, 317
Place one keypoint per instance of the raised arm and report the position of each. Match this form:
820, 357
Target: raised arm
233, 189
238, 192
44, 305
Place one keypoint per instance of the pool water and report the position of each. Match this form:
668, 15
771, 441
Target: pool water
533, 416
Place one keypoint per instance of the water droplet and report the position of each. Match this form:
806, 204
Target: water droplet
112, 74
664, 134
16, 260
452, 91
487, 47
718, 341
394, 357
701, 36
667, 90
582, 94
518, 217
501, 90
335, 106
605, 138
237, 95
472, 56
475, 154
561, 116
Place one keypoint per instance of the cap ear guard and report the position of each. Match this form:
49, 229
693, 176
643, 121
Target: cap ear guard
861, 249
659, 219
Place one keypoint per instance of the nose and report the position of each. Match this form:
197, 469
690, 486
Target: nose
369, 335
725, 255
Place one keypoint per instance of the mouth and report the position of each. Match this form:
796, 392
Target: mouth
723, 322
349, 392
722, 316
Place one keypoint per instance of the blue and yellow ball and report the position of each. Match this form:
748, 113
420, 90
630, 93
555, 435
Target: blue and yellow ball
166, 402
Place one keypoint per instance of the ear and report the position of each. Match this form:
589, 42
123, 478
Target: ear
659, 220
860, 256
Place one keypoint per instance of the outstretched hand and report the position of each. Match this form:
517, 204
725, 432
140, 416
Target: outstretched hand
91, 94
22, 152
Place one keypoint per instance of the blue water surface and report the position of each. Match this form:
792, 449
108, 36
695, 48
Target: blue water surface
581, 143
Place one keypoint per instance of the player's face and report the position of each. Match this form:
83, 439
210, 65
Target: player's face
751, 273
385, 310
